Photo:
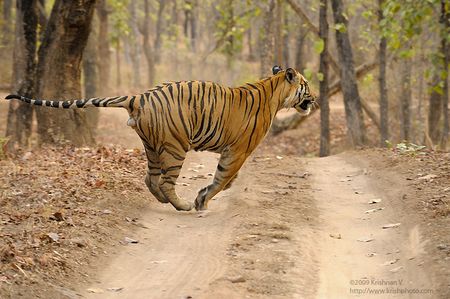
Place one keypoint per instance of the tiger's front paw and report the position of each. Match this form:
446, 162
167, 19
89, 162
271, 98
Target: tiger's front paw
200, 200
200, 204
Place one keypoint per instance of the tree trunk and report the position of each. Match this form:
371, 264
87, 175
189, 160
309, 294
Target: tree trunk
148, 51
267, 46
229, 45
134, 46
384, 104
434, 111
286, 38
445, 48
278, 36
190, 22
43, 18
159, 30
59, 71
104, 66
7, 27
251, 52
187, 17
20, 115
405, 100
7, 8
323, 85
118, 65
352, 101
174, 19
421, 118
194, 25
300, 48
90, 72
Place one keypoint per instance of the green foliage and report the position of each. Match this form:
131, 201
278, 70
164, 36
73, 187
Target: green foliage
409, 148
368, 14
235, 19
340, 27
404, 24
119, 17
320, 76
368, 79
49, 6
308, 74
319, 45
404, 21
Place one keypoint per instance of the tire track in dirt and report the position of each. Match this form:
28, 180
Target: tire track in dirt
253, 235
390, 259
277, 233
179, 254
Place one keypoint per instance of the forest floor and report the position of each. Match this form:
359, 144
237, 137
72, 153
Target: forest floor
79, 223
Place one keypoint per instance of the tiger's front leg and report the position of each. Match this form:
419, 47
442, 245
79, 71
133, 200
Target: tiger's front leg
228, 186
227, 169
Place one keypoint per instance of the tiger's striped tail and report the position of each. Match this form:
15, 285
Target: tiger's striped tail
123, 102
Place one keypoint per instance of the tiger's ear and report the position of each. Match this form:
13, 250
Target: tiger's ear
276, 69
290, 75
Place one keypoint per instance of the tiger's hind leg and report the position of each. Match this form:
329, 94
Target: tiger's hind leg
171, 164
226, 172
153, 175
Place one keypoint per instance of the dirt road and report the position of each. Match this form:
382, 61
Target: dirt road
288, 228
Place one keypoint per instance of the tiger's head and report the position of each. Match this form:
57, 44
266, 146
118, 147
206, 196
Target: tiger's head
299, 96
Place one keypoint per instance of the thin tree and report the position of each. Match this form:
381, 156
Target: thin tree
59, 72
134, 45
434, 109
251, 50
159, 29
7, 13
148, 50
352, 101
90, 73
278, 36
286, 37
445, 49
190, 22
104, 63
405, 99
384, 103
300, 49
323, 86
267, 42
194, 25
20, 114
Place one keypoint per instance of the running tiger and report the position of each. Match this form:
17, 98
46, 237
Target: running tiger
175, 117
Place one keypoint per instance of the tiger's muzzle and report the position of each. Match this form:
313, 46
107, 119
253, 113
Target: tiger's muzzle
304, 107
